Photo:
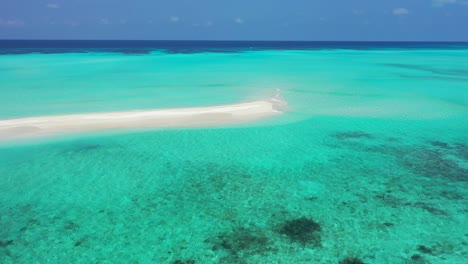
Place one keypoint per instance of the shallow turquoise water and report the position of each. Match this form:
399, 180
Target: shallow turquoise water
38, 84
370, 160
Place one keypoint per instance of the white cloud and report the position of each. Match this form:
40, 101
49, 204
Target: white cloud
400, 11
358, 12
441, 3
105, 21
72, 23
239, 20
203, 24
53, 5
10, 22
174, 19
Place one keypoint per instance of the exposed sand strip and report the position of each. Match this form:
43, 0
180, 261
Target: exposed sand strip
32, 127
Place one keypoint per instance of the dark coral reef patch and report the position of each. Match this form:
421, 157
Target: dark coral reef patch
351, 260
433, 163
243, 239
461, 151
6, 243
187, 261
240, 243
440, 144
352, 135
302, 230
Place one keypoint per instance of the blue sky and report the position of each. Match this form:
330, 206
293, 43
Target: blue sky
435, 20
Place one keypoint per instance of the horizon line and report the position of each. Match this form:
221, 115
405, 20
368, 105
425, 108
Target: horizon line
217, 40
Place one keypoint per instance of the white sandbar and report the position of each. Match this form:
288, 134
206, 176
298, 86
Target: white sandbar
32, 127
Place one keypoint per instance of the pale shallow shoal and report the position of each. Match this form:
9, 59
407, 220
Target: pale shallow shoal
32, 127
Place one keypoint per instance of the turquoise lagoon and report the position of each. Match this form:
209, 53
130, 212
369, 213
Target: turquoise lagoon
370, 161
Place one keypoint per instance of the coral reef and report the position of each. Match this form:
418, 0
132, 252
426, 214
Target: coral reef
435, 160
352, 135
6, 243
69, 225
424, 249
82, 148
240, 243
416, 259
462, 151
187, 261
80, 241
440, 144
430, 69
351, 260
242, 239
432, 163
302, 230
428, 207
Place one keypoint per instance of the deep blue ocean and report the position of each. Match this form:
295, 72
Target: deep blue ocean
146, 46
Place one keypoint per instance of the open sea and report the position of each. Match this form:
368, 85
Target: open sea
369, 164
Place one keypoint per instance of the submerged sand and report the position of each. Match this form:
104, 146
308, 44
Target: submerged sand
32, 127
